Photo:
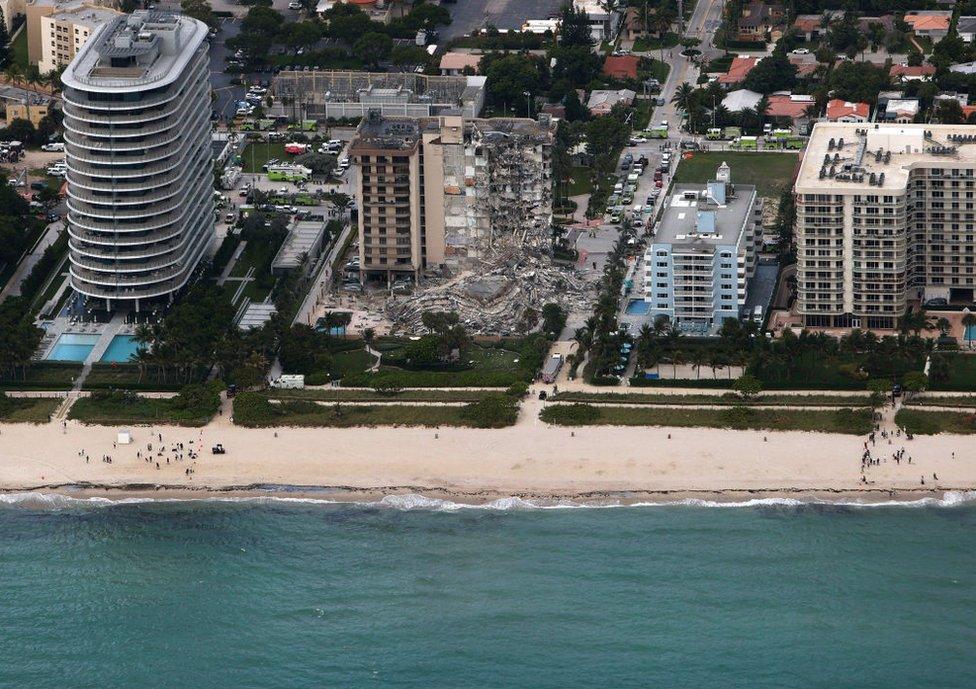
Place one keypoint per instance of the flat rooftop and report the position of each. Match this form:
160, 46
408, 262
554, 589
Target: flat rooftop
891, 150
145, 47
387, 133
679, 223
303, 238
86, 15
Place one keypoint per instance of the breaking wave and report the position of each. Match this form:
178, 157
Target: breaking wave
417, 502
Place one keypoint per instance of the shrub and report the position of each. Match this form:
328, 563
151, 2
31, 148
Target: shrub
570, 414
254, 410
740, 417
492, 411
318, 378
517, 390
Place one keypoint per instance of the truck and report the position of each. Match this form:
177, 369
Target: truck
286, 172
658, 131
288, 381
551, 368
745, 143
713, 134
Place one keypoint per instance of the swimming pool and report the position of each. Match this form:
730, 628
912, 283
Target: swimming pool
637, 307
72, 347
970, 333
120, 349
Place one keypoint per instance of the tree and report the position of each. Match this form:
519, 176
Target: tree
943, 326
199, 9
373, 48
858, 81
509, 78
683, 96
774, 73
949, 111
553, 319
969, 323
748, 386
408, 56
5, 54
915, 381
574, 27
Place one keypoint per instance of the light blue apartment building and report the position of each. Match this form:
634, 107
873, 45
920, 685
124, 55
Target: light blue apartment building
703, 253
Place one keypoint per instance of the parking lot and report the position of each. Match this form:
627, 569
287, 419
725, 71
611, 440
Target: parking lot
468, 15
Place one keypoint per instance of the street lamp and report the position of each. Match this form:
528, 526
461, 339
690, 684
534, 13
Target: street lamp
528, 103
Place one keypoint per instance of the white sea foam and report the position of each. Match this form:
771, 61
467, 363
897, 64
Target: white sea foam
413, 501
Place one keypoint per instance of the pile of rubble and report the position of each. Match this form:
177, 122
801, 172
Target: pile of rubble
504, 300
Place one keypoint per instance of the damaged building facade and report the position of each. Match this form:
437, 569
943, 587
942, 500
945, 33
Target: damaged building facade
456, 215
443, 195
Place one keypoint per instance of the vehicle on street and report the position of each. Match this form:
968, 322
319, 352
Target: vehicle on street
56, 147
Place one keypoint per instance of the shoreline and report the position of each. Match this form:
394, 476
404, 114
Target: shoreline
432, 497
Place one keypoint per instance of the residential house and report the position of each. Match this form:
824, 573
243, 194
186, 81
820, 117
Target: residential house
740, 67
931, 23
886, 20
633, 27
901, 110
454, 64
963, 68
21, 111
911, 72
805, 63
961, 98
604, 24
601, 101
966, 28
761, 21
621, 66
811, 26
741, 99
845, 111
790, 107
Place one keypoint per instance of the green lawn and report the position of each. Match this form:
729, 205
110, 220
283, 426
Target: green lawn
849, 421
27, 409
656, 69
18, 50
581, 182
121, 375
925, 422
772, 173
351, 362
258, 153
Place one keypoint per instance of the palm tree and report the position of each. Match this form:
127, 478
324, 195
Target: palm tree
915, 321
969, 323
698, 359
943, 326
683, 96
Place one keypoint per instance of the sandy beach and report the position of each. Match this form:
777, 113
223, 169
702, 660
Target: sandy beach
530, 460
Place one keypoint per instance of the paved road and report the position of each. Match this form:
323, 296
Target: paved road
23, 270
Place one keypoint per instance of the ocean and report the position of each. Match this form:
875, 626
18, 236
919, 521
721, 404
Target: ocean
417, 593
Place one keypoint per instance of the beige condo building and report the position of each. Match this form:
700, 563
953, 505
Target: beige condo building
886, 215
447, 192
50, 39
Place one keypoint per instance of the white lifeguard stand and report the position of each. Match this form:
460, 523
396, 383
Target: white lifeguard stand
124, 437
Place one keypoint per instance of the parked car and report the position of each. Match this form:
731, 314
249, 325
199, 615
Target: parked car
55, 147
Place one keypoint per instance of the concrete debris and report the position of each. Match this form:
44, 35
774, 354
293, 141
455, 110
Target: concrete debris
504, 300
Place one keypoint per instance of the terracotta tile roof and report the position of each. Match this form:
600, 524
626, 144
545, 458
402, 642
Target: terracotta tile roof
912, 70
621, 66
460, 61
838, 108
738, 70
781, 105
928, 22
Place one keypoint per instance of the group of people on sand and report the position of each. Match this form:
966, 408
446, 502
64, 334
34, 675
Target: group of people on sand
178, 452
869, 460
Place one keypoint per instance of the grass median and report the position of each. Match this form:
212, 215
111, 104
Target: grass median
727, 399
27, 409
961, 401
359, 395
256, 410
195, 405
847, 421
925, 422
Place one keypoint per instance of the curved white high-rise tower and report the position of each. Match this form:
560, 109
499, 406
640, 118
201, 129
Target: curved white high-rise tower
137, 142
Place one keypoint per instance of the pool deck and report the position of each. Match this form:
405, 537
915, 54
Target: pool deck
106, 332
112, 328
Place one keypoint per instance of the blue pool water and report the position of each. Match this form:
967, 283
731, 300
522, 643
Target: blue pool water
638, 307
121, 348
72, 347
970, 333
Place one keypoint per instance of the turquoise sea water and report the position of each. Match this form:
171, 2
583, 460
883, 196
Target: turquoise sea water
290, 594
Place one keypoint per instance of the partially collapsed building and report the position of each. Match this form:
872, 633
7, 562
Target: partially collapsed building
447, 193
463, 209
